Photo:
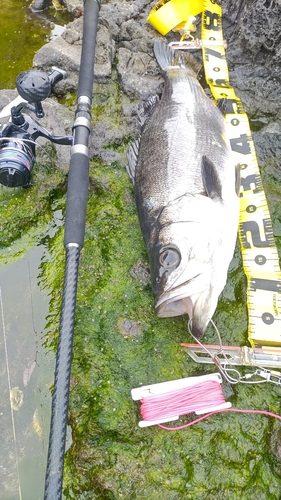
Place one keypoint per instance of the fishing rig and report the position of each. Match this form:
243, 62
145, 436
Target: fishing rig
18, 136
259, 253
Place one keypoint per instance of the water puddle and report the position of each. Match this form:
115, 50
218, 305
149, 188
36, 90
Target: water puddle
23, 33
57, 31
26, 375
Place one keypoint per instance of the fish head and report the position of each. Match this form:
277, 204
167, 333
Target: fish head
185, 286
187, 274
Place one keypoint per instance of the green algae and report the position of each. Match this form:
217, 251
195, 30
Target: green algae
224, 457
26, 213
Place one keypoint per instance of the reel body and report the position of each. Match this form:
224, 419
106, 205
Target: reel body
18, 136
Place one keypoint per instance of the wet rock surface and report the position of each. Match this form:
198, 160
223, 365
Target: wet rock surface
39, 5
253, 54
140, 271
128, 328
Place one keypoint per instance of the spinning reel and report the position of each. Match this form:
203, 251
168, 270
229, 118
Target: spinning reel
17, 138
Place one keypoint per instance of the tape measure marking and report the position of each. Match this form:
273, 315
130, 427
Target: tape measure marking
259, 253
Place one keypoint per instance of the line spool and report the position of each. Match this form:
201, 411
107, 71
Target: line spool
167, 401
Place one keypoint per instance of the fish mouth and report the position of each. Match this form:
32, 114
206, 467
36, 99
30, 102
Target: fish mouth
177, 301
174, 307
191, 298
183, 304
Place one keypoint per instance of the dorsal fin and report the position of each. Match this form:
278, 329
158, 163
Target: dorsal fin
147, 108
149, 105
132, 159
168, 58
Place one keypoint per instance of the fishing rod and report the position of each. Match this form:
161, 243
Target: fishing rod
17, 158
76, 205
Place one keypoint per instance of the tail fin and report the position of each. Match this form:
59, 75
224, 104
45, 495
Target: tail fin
168, 58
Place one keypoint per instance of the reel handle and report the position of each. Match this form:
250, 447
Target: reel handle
34, 86
55, 75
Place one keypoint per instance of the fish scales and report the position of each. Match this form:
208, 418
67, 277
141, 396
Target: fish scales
186, 189
179, 132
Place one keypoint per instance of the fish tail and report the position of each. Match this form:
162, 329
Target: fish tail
169, 58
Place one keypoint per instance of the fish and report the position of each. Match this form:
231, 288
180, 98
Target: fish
186, 187
27, 373
36, 422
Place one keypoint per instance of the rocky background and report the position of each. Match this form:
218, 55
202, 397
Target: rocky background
119, 343
124, 55
253, 53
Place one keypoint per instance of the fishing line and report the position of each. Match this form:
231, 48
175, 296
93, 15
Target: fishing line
10, 388
203, 395
207, 415
32, 312
20, 141
30, 141
219, 362
197, 398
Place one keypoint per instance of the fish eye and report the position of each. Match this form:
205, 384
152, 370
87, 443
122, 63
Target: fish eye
170, 257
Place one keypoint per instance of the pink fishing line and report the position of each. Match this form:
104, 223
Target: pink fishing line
182, 401
260, 412
187, 400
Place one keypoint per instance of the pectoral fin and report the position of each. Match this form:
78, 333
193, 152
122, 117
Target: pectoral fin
210, 178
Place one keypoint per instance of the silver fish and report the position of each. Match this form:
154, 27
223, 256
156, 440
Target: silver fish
27, 373
186, 189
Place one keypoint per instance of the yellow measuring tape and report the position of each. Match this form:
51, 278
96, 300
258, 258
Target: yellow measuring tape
259, 253
170, 14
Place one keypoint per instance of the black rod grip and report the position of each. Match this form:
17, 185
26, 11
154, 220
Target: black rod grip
77, 197
86, 73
